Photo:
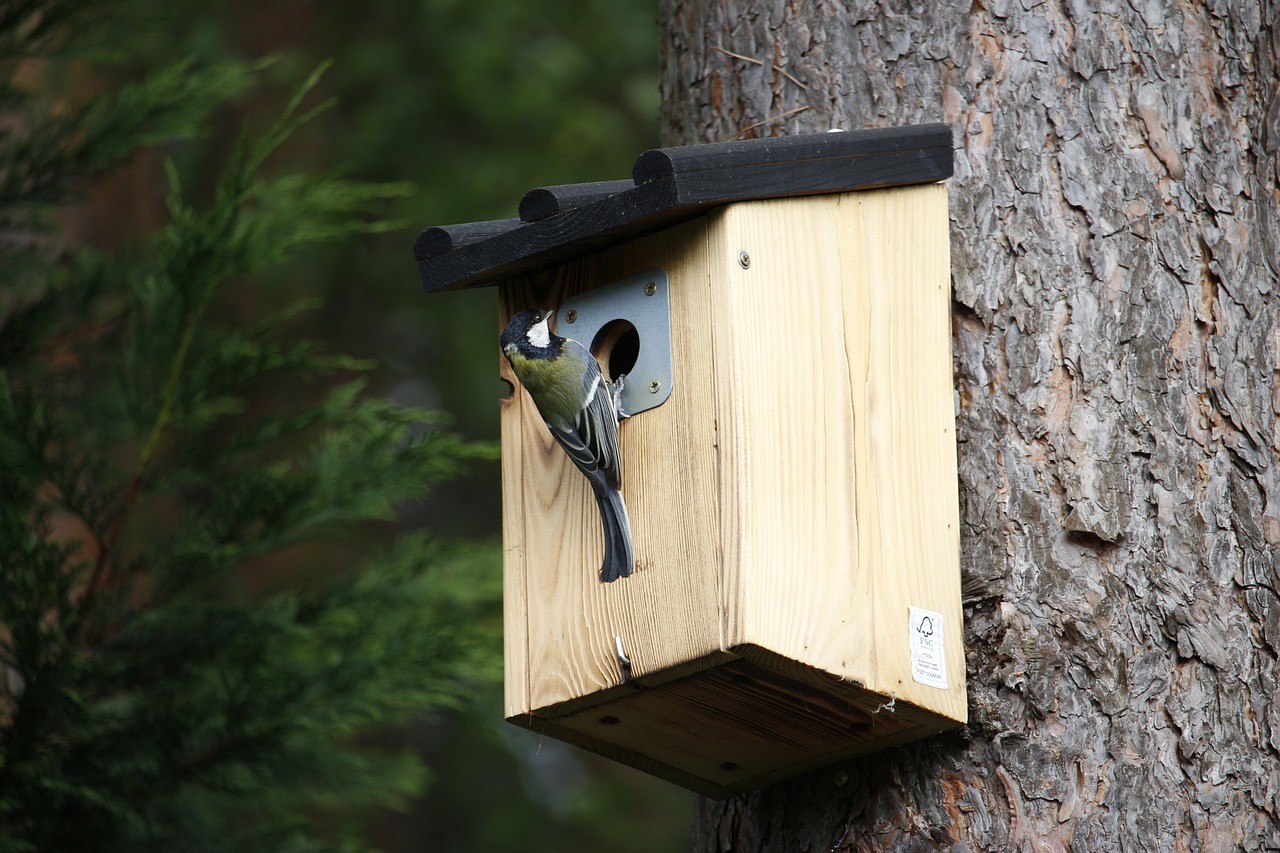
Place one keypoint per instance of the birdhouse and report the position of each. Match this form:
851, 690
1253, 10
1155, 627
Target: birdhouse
780, 312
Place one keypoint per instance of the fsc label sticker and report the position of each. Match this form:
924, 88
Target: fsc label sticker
928, 661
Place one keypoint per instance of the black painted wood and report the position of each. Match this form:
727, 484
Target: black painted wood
439, 239
637, 211
548, 201
799, 165
676, 184
789, 151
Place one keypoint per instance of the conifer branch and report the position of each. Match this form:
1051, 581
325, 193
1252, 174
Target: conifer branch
147, 701
239, 178
107, 545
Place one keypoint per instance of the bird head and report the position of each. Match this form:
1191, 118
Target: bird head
529, 331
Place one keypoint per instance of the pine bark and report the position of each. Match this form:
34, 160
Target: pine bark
1115, 238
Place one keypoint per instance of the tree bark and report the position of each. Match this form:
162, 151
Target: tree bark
1115, 238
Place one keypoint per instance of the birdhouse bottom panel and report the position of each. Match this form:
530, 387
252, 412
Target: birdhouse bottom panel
742, 723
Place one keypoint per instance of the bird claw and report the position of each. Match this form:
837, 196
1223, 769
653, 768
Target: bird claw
624, 662
615, 391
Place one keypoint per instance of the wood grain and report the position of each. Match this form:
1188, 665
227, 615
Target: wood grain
908, 490
738, 161
791, 166
541, 202
515, 604
788, 480
736, 727
439, 239
789, 503
668, 611
840, 482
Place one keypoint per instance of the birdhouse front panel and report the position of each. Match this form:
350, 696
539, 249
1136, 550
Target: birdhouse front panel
563, 627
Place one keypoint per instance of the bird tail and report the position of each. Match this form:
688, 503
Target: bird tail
618, 555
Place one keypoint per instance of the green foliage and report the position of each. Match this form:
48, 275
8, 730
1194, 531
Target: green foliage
186, 660
475, 102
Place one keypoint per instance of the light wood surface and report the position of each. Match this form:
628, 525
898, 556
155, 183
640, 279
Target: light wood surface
789, 503
839, 474
668, 611
908, 486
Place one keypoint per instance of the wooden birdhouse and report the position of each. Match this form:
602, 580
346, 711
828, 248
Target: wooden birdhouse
780, 309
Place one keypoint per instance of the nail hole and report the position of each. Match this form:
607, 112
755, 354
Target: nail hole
609, 721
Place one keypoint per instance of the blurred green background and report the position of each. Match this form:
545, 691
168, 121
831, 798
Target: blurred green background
473, 102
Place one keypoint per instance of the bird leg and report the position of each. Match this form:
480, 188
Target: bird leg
615, 390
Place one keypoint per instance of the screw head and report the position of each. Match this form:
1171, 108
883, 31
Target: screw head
650, 289
570, 316
744, 260
654, 386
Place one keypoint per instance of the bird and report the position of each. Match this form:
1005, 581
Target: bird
579, 408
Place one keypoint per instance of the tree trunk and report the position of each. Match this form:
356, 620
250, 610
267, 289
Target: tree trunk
1115, 240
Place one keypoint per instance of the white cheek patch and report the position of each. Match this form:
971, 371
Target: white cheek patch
540, 335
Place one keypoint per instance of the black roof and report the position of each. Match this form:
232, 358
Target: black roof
670, 185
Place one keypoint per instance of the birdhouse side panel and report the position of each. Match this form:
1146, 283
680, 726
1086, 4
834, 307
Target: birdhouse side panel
838, 438
897, 240
515, 607
795, 584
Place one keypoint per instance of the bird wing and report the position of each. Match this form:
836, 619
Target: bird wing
592, 440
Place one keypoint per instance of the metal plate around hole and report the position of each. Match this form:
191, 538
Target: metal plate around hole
627, 299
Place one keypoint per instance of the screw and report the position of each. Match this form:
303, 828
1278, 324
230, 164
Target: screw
654, 386
744, 260
570, 316
650, 289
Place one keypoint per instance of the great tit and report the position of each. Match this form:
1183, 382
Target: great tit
576, 402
